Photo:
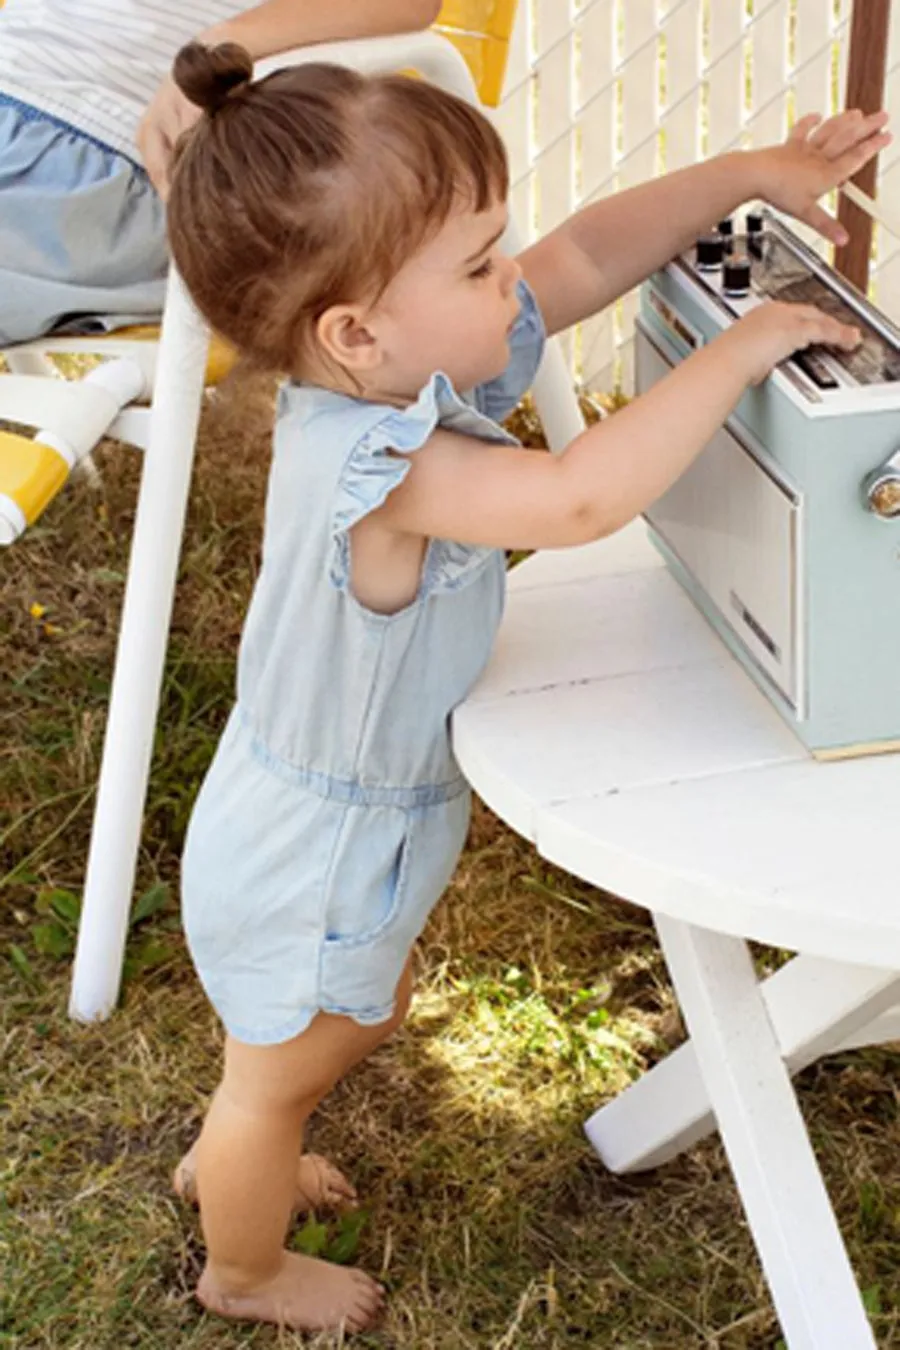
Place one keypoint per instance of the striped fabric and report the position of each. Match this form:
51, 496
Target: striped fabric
96, 63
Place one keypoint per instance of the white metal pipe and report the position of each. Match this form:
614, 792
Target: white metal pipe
118, 383
432, 55
12, 520
553, 390
139, 660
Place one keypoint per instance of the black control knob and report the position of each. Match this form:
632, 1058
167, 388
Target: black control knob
710, 251
736, 276
755, 233
726, 230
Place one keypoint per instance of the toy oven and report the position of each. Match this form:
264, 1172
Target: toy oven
786, 530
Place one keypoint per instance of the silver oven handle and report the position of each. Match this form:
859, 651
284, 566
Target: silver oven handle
881, 489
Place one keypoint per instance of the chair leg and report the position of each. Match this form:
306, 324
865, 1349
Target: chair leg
29, 362
553, 388
140, 657
555, 399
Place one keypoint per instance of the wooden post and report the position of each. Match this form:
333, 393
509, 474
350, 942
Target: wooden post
865, 89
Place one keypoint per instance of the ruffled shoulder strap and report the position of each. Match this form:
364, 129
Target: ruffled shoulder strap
377, 462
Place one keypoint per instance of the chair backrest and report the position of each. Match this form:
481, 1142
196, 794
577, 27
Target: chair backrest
481, 30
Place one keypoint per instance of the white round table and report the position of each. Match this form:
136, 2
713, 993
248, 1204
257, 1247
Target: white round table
616, 732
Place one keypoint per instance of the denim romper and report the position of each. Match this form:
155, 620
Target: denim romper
334, 812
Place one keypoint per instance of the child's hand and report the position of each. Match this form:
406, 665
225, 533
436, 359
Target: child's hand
774, 330
816, 157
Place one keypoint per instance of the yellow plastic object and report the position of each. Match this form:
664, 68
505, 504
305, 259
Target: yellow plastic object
31, 474
493, 18
481, 30
220, 362
138, 332
486, 58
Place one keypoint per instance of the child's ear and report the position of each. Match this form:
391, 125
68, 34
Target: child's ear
343, 334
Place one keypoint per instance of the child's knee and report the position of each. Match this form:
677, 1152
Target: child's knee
296, 1075
291, 1077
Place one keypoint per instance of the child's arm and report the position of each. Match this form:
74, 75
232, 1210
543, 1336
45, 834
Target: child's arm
265, 30
464, 489
278, 25
604, 250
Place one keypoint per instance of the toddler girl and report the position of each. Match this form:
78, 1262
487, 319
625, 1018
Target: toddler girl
347, 232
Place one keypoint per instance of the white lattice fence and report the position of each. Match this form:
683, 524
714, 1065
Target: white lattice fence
602, 94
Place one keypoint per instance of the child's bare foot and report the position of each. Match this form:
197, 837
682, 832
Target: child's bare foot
305, 1295
319, 1183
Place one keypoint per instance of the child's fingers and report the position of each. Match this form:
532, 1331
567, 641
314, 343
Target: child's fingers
843, 335
824, 224
852, 160
840, 135
801, 130
823, 328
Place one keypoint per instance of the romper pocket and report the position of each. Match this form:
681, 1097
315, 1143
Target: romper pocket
368, 880
391, 867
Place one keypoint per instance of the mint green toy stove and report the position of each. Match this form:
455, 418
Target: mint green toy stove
786, 530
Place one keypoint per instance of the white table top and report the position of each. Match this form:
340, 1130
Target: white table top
614, 729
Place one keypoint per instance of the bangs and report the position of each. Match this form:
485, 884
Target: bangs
431, 155
449, 147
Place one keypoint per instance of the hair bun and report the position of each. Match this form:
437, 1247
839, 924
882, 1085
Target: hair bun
208, 76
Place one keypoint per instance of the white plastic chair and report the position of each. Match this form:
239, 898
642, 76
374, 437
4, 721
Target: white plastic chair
103, 403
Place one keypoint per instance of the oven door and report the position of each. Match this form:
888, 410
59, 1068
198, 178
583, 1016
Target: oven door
734, 527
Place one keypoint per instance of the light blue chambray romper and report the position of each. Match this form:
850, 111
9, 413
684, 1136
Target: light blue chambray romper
334, 812
82, 232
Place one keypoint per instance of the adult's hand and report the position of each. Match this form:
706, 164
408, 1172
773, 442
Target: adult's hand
264, 30
167, 116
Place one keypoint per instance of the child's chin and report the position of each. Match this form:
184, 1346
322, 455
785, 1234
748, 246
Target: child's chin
490, 367
493, 369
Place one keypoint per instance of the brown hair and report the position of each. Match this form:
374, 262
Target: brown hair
311, 188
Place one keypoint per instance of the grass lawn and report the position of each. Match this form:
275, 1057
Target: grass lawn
486, 1214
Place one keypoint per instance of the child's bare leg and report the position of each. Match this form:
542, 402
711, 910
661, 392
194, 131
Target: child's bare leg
318, 1183
246, 1173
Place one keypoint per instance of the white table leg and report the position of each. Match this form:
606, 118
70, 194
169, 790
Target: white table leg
884, 1029
816, 1007
788, 1209
140, 657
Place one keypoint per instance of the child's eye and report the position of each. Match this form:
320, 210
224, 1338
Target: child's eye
484, 270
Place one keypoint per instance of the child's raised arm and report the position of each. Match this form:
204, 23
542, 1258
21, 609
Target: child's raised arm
601, 252
464, 489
